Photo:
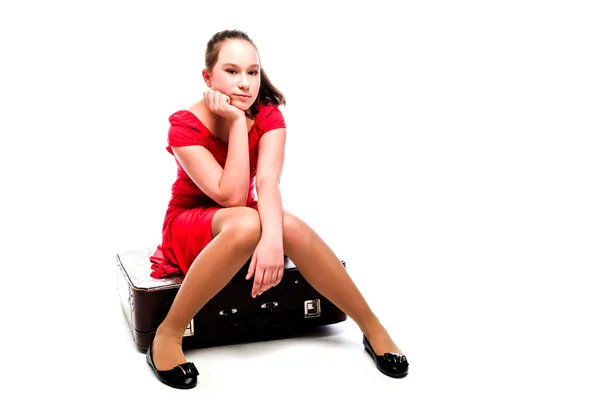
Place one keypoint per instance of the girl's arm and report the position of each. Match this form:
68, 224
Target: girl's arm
227, 186
236, 174
266, 264
271, 148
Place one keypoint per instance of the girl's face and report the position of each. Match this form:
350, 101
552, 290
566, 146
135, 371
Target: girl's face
236, 73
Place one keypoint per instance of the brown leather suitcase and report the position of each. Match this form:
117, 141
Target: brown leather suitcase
231, 316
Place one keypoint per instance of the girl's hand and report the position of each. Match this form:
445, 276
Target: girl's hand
266, 265
220, 104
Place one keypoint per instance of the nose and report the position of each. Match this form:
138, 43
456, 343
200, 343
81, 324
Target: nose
243, 82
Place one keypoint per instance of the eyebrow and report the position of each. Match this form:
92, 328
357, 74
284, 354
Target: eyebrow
237, 66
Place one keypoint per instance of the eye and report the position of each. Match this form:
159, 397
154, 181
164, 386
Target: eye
231, 71
254, 72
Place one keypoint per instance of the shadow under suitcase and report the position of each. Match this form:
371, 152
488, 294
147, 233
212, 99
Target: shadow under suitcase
232, 315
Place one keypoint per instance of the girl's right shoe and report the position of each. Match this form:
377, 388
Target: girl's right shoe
181, 376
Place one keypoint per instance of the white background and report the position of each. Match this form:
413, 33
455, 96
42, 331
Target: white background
447, 151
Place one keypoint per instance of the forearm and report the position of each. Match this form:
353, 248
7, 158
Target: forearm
236, 173
270, 209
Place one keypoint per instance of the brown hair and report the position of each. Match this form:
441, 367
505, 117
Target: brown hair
267, 93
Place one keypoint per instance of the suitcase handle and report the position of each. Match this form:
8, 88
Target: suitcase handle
244, 320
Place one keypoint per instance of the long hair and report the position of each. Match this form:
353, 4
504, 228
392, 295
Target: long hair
267, 93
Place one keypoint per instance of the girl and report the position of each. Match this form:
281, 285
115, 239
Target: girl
213, 223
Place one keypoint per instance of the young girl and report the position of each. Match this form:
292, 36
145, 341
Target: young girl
214, 223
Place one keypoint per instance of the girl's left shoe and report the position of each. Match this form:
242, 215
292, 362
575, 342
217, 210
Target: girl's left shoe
390, 364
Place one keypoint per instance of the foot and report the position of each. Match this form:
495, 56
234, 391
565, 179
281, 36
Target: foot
183, 375
382, 342
390, 364
167, 351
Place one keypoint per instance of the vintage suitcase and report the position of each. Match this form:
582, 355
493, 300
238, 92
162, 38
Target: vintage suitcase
229, 317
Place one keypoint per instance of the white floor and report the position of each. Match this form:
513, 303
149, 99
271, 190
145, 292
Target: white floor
328, 361
461, 340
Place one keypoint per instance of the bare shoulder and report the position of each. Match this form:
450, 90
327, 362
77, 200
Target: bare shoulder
205, 116
198, 109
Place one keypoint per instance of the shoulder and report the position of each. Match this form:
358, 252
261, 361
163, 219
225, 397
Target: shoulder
184, 118
269, 117
185, 129
267, 110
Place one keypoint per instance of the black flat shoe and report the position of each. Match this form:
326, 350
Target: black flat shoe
390, 364
181, 376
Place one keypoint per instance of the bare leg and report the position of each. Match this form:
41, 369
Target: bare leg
214, 267
324, 271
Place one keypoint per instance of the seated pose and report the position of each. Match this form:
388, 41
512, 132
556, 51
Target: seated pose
214, 222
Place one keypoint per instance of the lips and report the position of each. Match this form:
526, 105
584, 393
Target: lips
242, 96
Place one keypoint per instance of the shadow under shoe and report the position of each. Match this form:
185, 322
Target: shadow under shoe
390, 364
181, 376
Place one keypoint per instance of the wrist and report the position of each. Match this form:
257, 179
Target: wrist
238, 119
272, 236
238, 126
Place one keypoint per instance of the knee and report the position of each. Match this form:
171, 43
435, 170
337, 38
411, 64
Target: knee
245, 230
294, 229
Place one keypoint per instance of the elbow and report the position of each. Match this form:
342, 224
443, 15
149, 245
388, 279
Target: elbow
234, 203
236, 200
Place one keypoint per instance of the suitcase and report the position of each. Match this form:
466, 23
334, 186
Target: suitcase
231, 316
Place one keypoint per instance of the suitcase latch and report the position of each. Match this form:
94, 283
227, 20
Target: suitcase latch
312, 308
270, 305
189, 331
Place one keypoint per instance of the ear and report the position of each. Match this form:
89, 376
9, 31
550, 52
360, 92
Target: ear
206, 77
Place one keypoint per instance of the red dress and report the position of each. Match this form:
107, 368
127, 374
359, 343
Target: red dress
187, 227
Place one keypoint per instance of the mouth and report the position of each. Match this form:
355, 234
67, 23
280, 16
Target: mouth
242, 96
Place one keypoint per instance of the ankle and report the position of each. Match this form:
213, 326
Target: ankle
371, 326
165, 332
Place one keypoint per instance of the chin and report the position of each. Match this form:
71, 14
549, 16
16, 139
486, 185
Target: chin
242, 105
